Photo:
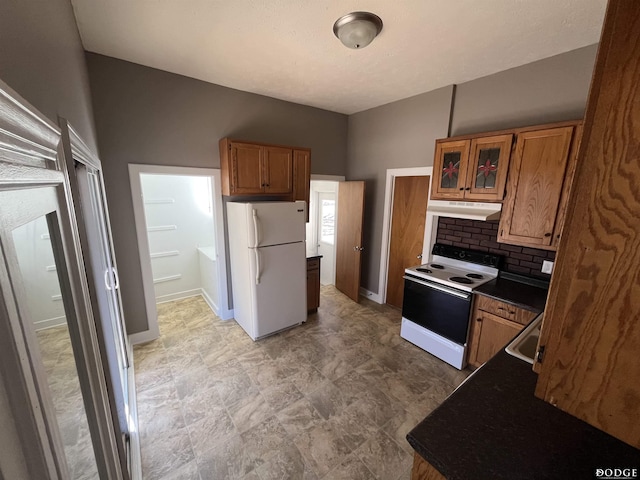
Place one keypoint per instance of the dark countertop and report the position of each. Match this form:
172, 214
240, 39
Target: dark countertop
311, 256
494, 427
511, 289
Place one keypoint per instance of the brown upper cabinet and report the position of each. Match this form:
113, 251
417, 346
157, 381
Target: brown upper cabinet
250, 168
538, 184
471, 168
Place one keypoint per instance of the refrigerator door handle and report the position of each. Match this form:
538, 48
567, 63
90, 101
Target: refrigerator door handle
256, 225
257, 252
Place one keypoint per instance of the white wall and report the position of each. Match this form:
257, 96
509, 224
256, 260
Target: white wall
39, 275
179, 219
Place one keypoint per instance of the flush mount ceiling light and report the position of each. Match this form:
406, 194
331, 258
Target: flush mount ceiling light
357, 29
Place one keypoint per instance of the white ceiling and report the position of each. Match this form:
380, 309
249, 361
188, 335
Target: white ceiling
286, 48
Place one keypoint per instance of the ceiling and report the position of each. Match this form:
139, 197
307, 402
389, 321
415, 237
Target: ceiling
286, 48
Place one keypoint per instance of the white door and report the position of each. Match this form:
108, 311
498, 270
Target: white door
281, 287
275, 223
116, 337
326, 235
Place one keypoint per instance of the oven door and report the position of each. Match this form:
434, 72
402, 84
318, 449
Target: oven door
440, 309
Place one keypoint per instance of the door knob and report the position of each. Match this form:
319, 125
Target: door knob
419, 257
361, 249
356, 248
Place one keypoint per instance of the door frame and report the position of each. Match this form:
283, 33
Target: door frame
313, 214
76, 150
30, 170
392, 173
135, 170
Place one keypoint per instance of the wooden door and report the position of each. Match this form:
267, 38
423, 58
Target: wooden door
410, 197
591, 333
488, 166
278, 170
491, 333
535, 187
349, 246
246, 168
450, 169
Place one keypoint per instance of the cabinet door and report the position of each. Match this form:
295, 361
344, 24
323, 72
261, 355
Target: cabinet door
278, 170
313, 284
490, 334
301, 176
488, 165
450, 169
534, 187
246, 168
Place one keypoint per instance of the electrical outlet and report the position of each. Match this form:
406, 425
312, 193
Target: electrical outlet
547, 266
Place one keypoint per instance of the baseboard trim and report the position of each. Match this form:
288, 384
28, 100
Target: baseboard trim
143, 337
375, 297
209, 301
178, 295
50, 323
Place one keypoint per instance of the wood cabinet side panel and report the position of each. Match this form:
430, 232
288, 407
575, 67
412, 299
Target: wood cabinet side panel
423, 470
592, 333
302, 176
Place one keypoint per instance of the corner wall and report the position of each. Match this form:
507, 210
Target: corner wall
403, 133
148, 116
397, 135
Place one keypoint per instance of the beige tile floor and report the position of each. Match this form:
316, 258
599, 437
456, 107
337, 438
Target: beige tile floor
331, 399
64, 385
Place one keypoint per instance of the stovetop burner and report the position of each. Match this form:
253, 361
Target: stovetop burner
477, 276
457, 268
463, 280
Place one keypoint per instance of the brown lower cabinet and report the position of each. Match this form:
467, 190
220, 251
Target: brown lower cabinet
493, 324
423, 470
313, 284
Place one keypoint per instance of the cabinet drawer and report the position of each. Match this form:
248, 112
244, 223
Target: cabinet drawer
313, 263
504, 310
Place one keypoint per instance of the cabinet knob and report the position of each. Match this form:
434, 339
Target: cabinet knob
468, 188
461, 188
547, 234
478, 319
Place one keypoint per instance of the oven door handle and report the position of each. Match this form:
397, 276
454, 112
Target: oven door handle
450, 291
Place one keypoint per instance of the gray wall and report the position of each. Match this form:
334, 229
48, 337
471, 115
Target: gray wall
402, 134
549, 90
43, 60
397, 135
149, 116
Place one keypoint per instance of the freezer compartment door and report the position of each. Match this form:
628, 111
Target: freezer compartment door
280, 288
275, 223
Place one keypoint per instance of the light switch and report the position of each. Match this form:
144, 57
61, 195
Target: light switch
547, 266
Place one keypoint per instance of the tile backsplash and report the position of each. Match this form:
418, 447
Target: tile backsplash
483, 236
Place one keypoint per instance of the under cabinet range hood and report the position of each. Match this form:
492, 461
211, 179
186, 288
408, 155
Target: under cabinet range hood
466, 210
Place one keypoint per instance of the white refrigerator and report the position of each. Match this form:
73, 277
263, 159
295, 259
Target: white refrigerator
268, 265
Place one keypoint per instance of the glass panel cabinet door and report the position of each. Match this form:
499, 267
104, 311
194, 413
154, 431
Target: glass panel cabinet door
488, 164
450, 169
